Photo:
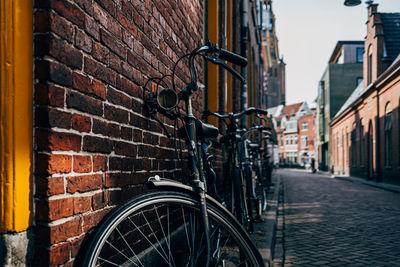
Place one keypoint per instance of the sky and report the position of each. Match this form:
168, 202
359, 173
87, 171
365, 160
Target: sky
308, 31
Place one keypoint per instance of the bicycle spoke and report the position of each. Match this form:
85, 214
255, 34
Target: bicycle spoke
120, 252
107, 261
130, 248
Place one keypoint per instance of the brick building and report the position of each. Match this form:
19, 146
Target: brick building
365, 131
75, 138
306, 138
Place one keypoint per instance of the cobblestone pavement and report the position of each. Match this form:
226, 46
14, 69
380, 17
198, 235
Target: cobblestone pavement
329, 222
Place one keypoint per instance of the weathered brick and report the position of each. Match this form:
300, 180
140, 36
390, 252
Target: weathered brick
52, 163
58, 141
99, 163
99, 71
81, 123
121, 164
116, 114
106, 129
107, 21
92, 219
63, 231
83, 41
59, 254
92, 28
59, 73
101, 53
49, 95
112, 44
128, 87
49, 186
82, 164
126, 149
85, 103
118, 179
126, 133
99, 201
69, 11
97, 144
54, 209
99, 89
50, 117
84, 183
82, 204
62, 27
75, 246
118, 98
66, 53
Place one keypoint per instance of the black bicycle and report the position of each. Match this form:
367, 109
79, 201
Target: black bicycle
178, 224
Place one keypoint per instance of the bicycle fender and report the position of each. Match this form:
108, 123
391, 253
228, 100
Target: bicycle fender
158, 181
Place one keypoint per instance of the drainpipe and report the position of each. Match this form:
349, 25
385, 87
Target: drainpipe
243, 53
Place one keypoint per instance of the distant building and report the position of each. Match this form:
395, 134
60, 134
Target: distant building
366, 130
285, 119
342, 74
274, 80
306, 138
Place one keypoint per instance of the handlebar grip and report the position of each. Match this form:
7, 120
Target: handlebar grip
232, 57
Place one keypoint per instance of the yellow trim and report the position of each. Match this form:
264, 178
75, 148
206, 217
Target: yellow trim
16, 42
212, 69
229, 95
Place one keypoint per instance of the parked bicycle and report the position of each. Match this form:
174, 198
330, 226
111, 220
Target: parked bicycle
178, 224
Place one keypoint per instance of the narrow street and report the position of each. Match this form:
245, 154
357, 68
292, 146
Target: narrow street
329, 222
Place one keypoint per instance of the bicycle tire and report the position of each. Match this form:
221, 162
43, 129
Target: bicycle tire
135, 234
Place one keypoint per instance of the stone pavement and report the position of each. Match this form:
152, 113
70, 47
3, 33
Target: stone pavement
330, 222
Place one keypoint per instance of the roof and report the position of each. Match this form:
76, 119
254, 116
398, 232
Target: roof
292, 109
391, 32
358, 92
339, 46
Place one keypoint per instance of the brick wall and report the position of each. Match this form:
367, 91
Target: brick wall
94, 145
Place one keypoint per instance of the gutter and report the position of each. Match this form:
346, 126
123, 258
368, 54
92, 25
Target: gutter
243, 53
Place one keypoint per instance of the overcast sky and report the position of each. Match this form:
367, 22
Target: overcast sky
308, 31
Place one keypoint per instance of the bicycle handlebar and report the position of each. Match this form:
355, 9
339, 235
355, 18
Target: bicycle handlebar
247, 111
232, 57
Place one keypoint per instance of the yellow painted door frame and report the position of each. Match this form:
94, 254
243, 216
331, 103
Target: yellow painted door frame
16, 123
212, 69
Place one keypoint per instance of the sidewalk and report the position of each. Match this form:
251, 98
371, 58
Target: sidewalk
264, 233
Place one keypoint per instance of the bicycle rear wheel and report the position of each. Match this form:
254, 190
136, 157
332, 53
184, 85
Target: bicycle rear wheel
163, 229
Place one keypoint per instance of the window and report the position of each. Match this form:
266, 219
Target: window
388, 136
369, 77
304, 126
362, 146
360, 52
359, 80
353, 148
304, 142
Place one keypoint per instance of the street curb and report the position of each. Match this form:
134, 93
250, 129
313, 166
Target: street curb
264, 233
385, 186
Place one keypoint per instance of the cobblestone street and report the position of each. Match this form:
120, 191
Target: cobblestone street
329, 222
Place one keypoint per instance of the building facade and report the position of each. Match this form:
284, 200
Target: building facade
342, 74
275, 87
306, 139
76, 139
366, 129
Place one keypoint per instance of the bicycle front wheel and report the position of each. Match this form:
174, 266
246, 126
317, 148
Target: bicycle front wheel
164, 229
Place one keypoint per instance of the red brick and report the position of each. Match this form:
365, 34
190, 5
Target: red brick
119, 98
97, 144
49, 186
82, 164
48, 94
58, 141
99, 163
118, 179
116, 114
81, 82
128, 87
92, 219
126, 149
99, 89
54, 209
126, 133
76, 245
59, 73
107, 21
49, 117
82, 204
83, 41
112, 43
108, 5
81, 123
127, 24
59, 254
61, 27
85, 103
106, 129
66, 53
53, 163
99, 71
69, 11
84, 183
63, 231
99, 201
101, 53
92, 28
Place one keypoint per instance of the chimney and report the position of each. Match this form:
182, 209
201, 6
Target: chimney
372, 9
